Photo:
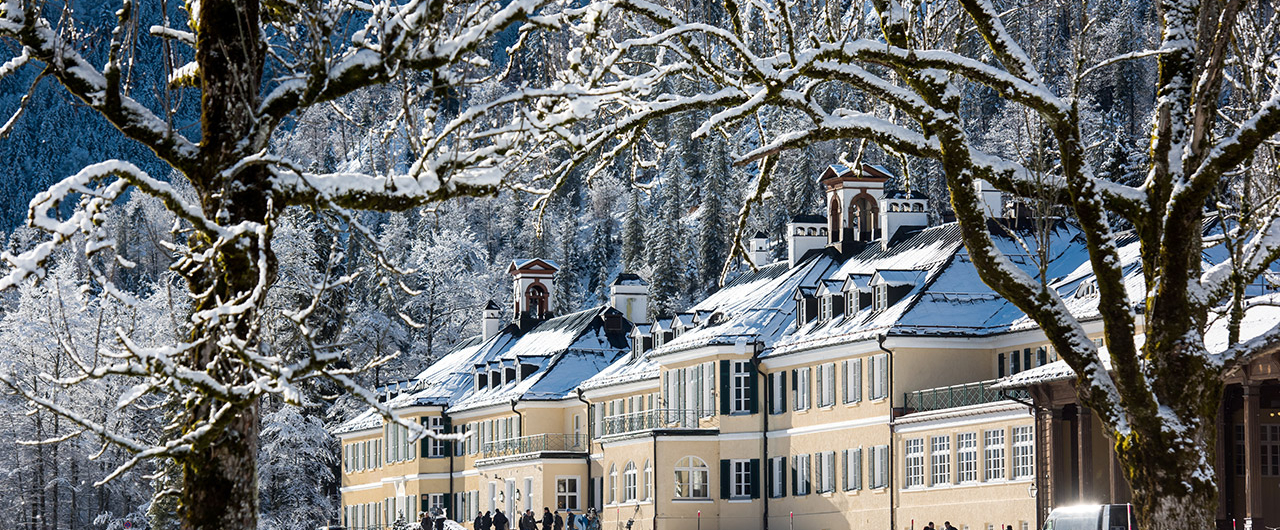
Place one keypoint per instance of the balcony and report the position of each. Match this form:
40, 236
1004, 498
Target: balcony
948, 397
534, 444
659, 419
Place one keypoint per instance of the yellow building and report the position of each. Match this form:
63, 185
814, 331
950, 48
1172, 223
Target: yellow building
847, 386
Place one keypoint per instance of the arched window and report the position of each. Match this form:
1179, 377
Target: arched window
629, 483
813, 231
799, 230
895, 207
648, 480
864, 215
917, 207
691, 478
833, 219
536, 295
613, 483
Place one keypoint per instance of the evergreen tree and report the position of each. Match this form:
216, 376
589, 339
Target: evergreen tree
633, 235
713, 244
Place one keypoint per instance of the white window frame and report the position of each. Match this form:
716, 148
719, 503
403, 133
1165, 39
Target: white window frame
1024, 452
777, 484
826, 385
993, 464
879, 376
879, 467
801, 464
692, 475
803, 397
740, 479
436, 447
613, 484
940, 460
914, 463
570, 497
740, 386
852, 380
778, 398
648, 480
967, 457
853, 469
630, 479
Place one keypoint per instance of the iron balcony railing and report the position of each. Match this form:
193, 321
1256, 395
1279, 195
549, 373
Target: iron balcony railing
647, 420
960, 396
535, 443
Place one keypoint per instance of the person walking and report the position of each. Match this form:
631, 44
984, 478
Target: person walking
558, 522
479, 523
529, 522
499, 520
547, 519
946, 525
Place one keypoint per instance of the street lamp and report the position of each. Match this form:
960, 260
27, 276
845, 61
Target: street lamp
1032, 490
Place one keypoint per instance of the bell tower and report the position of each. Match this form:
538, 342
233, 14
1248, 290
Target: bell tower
853, 202
533, 281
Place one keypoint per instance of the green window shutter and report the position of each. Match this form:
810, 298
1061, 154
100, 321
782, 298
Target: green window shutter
795, 388
753, 392
782, 491
724, 479
755, 478
424, 445
447, 427
726, 397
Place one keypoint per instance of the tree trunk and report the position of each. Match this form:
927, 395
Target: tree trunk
1169, 493
219, 480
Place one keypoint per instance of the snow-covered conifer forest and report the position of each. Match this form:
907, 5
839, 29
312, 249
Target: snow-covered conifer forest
228, 222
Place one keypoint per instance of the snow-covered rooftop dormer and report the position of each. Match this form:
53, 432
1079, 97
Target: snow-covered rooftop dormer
891, 285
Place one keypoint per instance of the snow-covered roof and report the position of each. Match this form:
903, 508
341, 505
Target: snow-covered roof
1262, 313
755, 307
627, 369
566, 350
946, 298
897, 278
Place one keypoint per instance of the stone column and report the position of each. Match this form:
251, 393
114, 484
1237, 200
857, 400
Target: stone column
1253, 498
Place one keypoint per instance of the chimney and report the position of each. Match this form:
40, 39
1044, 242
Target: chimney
759, 254
902, 212
629, 293
991, 199
805, 233
492, 322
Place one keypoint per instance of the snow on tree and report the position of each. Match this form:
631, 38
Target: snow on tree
895, 74
297, 459
253, 66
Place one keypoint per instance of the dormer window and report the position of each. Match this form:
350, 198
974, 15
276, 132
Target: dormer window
527, 370
882, 297
495, 378
1087, 288
482, 380
508, 374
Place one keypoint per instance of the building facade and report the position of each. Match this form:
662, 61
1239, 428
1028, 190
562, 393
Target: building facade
868, 380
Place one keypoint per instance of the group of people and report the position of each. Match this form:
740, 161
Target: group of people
527, 521
946, 525
433, 520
